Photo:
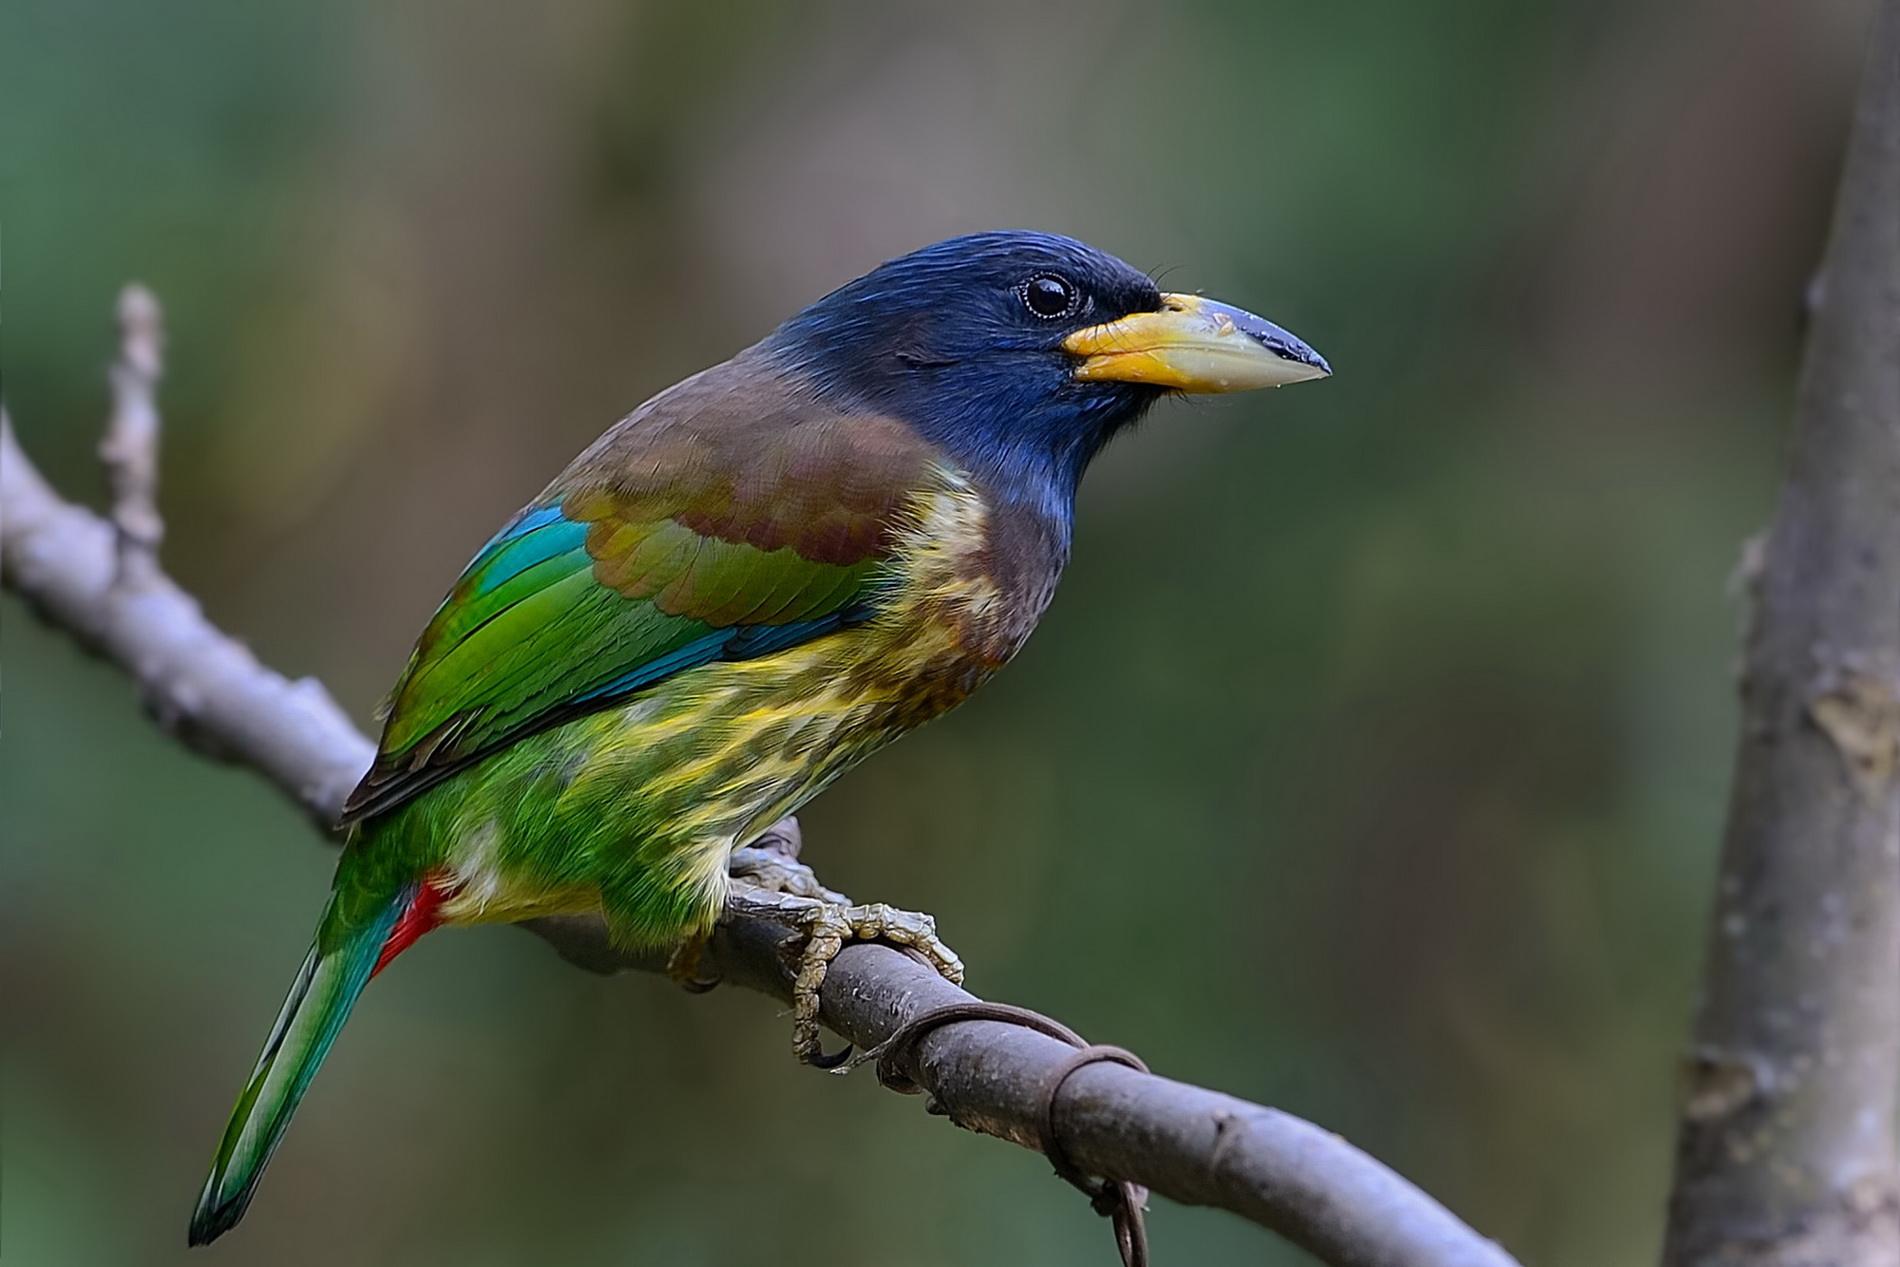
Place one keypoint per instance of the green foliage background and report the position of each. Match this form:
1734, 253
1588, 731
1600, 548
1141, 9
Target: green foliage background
1370, 763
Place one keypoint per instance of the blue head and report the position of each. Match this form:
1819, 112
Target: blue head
1021, 353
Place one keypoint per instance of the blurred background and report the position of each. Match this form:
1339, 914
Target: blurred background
1370, 763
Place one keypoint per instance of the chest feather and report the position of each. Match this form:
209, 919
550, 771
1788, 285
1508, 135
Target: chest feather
954, 564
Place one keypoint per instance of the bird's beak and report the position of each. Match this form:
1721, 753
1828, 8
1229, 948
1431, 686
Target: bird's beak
1194, 344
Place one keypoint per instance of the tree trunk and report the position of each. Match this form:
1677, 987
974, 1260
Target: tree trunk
1786, 1149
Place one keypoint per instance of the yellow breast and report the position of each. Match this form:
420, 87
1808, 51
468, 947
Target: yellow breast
709, 759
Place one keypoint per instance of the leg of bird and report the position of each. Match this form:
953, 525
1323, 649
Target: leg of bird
827, 925
771, 863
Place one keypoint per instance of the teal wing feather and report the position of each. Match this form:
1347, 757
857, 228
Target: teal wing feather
701, 528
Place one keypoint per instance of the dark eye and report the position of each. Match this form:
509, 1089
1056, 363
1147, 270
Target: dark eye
1050, 295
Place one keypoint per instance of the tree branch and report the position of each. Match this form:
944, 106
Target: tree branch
197, 683
1786, 1149
1197, 1146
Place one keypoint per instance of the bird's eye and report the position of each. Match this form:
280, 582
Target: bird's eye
1050, 295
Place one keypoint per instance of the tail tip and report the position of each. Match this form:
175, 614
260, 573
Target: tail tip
213, 1219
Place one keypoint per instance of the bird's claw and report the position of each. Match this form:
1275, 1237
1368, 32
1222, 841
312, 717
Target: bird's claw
684, 966
775, 872
771, 863
828, 923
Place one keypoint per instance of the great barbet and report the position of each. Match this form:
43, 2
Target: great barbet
745, 587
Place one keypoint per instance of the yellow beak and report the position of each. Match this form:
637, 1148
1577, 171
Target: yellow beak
1194, 344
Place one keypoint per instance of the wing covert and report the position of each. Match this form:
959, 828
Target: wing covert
695, 530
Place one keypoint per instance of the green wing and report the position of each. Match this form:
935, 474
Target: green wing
688, 534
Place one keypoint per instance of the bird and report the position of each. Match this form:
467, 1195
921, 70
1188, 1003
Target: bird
739, 591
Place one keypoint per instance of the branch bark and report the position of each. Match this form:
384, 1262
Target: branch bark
1786, 1148
1198, 1146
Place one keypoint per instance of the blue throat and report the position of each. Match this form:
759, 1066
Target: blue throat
1026, 437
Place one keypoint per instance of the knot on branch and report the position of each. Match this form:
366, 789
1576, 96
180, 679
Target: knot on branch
1860, 715
1718, 1085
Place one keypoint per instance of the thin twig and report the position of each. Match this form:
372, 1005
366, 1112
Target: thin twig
1194, 1145
129, 450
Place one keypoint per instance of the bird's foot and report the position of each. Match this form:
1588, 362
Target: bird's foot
771, 863
828, 923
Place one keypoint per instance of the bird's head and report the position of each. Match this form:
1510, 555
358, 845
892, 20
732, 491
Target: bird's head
1022, 353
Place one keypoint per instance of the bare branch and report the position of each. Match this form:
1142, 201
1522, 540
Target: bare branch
1194, 1145
198, 683
1786, 1148
1197, 1146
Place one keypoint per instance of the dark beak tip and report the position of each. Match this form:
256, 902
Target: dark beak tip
1291, 349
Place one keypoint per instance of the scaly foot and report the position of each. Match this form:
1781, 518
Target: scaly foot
771, 863
827, 924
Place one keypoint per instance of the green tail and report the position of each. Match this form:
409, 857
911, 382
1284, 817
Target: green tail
333, 975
